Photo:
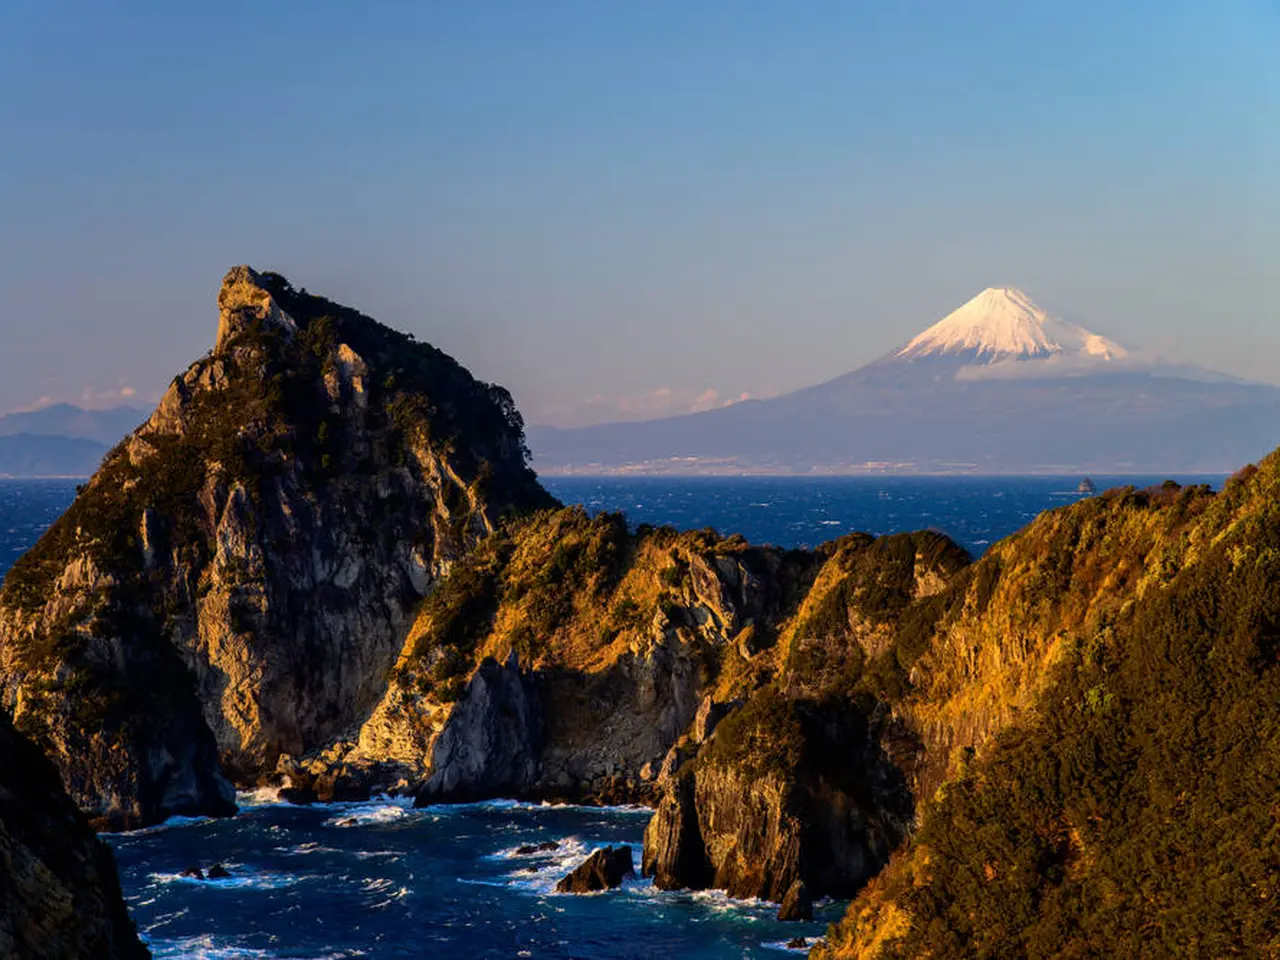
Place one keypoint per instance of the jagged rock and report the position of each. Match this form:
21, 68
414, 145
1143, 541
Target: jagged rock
237, 579
192, 873
619, 681
59, 892
302, 796
218, 872
603, 870
797, 943
786, 791
492, 740
797, 904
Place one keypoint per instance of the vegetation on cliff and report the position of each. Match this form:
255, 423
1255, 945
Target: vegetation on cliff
1130, 810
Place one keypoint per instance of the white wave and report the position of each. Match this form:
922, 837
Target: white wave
382, 892
503, 805
302, 849
390, 810
242, 878
372, 854
261, 797
208, 947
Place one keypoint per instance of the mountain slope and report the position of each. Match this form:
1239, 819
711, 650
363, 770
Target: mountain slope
996, 387
236, 580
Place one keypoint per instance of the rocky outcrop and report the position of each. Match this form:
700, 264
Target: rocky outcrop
491, 742
237, 580
784, 792
605, 869
59, 894
797, 904
622, 637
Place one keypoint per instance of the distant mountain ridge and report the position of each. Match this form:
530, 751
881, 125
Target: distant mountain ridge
68, 420
27, 455
62, 439
997, 386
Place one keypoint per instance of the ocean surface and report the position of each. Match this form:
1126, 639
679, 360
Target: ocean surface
804, 512
381, 880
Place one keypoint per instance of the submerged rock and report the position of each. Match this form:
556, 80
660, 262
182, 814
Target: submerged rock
603, 870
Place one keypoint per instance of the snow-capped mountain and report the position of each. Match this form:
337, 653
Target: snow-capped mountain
997, 386
1003, 323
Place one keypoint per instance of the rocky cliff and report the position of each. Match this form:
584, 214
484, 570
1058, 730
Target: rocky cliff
571, 658
1109, 676
59, 894
808, 783
610, 642
238, 578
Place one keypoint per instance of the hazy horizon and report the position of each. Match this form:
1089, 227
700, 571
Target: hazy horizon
634, 210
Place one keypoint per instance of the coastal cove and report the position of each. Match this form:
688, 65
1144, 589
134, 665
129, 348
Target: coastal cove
383, 880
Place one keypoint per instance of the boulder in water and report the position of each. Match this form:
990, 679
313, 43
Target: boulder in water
532, 848
603, 870
218, 872
797, 904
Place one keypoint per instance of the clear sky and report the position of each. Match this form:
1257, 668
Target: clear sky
618, 208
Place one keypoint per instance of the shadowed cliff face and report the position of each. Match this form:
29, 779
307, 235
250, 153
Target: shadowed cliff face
59, 894
237, 579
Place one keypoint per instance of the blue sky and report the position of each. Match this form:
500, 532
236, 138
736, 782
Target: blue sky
621, 208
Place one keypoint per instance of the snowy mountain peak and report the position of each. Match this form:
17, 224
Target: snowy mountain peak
1003, 323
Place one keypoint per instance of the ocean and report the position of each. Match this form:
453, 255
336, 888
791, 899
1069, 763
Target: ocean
381, 880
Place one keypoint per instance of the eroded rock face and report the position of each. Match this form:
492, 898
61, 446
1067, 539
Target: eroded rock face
605, 869
783, 793
491, 743
59, 894
236, 581
622, 638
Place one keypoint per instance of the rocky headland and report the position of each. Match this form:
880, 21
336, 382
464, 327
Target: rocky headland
324, 564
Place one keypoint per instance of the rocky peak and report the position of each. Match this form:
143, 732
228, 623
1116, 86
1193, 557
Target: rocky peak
244, 302
236, 580
1003, 323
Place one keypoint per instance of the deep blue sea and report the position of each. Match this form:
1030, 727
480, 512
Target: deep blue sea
380, 880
